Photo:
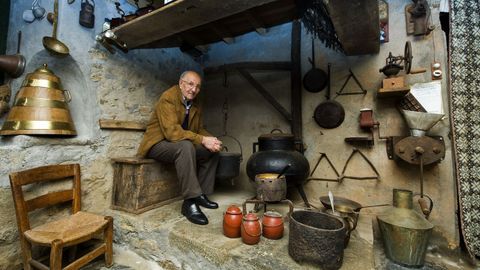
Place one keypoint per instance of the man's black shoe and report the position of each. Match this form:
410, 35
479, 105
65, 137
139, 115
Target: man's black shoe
193, 212
202, 200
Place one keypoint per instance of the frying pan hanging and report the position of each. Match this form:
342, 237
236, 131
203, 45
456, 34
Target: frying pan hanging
329, 114
315, 79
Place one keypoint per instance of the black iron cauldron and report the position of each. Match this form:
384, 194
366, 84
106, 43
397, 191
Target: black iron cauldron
275, 152
229, 162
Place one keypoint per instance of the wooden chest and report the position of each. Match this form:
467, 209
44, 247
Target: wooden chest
140, 185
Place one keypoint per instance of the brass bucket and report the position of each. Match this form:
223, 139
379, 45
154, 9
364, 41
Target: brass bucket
40, 107
405, 232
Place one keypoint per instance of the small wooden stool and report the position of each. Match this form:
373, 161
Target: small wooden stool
141, 184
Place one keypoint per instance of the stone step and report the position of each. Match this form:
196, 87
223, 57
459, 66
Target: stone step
165, 237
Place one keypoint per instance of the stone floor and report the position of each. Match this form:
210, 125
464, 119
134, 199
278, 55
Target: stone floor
163, 239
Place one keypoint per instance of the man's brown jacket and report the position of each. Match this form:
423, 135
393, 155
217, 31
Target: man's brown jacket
166, 121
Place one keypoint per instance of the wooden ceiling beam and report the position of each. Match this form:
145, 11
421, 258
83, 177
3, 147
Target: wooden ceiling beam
222, 32
255, 22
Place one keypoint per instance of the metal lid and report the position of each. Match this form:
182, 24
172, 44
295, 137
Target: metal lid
43, 69
276, 136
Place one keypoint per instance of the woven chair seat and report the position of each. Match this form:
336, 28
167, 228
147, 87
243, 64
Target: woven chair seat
68, 229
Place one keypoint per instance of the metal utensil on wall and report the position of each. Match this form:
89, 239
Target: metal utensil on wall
315, 79
14, 65
329, 114
52, 44
37, 10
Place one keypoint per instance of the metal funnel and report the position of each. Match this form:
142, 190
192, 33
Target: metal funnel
420, 122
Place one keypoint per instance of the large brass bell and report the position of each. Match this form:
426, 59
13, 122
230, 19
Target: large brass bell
40, 107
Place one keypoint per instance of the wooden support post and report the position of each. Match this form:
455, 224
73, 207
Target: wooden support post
296, 82
266, 95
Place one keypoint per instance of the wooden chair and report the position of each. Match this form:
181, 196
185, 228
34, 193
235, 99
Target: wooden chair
64, 232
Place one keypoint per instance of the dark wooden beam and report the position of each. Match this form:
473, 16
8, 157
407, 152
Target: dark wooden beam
222, 33
265, 94
255, 22
248, 65
296, 82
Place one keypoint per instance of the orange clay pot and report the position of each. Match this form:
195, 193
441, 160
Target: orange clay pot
232, 220
272, 224
251, 229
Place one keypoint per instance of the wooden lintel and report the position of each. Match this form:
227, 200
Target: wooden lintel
265, 94
223, 33
276, 66
118, 124
255, 22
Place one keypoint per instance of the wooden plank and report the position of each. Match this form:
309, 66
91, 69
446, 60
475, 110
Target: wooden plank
255, 22
271, 14
49, 199
133, 160
120, 124
222, 33
357, 25
266, 95
179, 16
248, 65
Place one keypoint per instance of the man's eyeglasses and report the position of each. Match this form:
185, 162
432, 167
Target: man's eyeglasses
192, 84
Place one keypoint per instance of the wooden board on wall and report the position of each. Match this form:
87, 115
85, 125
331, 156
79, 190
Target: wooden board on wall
357, 25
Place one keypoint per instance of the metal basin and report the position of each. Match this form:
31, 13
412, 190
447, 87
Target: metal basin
317, 238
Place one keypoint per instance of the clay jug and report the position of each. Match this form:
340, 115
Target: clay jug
251, 229
232, 220
272, 225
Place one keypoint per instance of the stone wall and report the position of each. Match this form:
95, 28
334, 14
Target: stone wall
103, 86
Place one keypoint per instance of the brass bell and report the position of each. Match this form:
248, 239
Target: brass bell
40, 107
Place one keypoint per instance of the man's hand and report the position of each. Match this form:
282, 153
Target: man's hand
212, 144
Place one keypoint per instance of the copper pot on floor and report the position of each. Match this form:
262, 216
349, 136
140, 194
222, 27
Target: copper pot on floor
40, 107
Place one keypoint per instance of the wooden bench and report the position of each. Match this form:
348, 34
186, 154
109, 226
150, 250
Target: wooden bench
140, 184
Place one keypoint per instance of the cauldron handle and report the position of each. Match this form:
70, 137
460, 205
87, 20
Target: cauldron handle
276, 129
255, 144
239, 145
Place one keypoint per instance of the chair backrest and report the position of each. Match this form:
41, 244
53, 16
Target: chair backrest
44, 174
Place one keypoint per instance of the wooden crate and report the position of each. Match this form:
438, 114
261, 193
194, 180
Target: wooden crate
140, 185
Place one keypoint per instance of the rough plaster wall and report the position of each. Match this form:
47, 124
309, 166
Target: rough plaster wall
103, 86
250, 116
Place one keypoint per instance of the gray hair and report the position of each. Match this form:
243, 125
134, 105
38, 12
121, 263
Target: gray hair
189, 71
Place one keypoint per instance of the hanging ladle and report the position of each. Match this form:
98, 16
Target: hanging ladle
52, 44
284, 170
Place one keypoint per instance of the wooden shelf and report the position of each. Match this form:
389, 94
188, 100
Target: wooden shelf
200, 22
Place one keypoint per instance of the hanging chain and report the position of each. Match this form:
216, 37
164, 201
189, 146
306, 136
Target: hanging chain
225, 116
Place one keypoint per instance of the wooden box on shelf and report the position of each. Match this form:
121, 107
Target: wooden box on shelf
140, 184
